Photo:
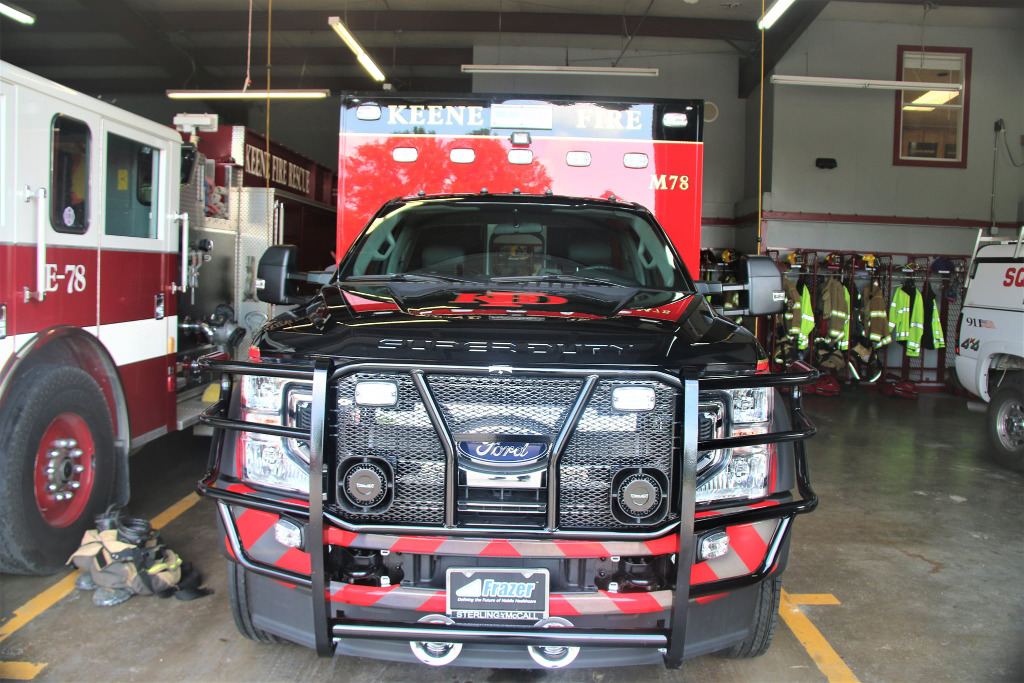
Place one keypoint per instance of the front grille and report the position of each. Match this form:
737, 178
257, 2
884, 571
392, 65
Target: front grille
495, 407
474, 404
606, 441
404, 436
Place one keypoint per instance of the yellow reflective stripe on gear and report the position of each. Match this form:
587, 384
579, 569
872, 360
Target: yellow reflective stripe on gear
163, 566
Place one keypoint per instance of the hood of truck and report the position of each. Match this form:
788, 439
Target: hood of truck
550, 324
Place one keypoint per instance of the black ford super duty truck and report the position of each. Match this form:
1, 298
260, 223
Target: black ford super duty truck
509, 431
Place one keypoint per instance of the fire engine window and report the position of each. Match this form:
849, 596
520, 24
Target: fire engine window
69, 186
131, 181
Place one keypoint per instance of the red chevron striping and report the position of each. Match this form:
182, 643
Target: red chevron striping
364, 596
705, 599
425, 545
582, 549
498, 548
231, 551
252, 524
294, 561
701, 573
437, 603
336, 536
634, 603
239, 488
664, 545
560, 606
747, 544
296, 501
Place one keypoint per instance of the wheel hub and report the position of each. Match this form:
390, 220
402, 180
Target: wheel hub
1011, 425
64, 470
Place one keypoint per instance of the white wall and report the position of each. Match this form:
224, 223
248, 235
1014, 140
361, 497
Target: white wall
856, 126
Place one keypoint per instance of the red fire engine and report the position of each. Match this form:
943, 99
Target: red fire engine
100, 316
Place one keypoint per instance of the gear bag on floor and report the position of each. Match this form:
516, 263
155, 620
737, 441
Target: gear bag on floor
127, 554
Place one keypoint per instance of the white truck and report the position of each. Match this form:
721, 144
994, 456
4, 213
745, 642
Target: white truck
990, 353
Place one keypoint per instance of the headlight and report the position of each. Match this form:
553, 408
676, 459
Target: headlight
751, 405
745, 473
272, 460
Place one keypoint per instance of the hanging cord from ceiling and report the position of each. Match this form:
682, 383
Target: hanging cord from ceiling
248, 54
636, 31
270, 213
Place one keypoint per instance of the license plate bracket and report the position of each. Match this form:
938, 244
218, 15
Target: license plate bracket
496, 595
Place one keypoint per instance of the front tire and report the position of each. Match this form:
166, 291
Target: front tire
56, 467
1006, 427
238, 593
766, 615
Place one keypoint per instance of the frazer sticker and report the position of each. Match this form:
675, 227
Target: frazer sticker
69, 216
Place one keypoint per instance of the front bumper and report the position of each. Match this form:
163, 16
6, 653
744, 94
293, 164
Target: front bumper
294, 595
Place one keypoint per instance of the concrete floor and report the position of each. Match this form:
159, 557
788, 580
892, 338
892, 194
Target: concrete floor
919, 537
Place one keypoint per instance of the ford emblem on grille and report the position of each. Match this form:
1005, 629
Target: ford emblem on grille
503, 453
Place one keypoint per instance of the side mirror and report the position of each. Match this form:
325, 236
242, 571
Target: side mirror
765, 294
189, 157
276, 276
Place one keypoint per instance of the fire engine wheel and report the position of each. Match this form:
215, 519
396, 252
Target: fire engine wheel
766, 614
238, 593
1006, 427
57, 468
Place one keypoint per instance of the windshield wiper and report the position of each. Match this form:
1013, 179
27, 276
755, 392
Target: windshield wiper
560, 277
408, 277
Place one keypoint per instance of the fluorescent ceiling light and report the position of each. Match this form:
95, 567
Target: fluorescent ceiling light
913, 108
278, 94
558, 70
869, 83
773, 14
16, 13
356, 48
936, 97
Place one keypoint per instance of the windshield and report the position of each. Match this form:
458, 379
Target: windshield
505, 242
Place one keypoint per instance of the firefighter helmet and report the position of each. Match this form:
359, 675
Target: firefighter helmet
731, 256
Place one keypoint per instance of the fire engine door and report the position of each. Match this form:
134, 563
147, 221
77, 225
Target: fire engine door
7, 152
138, 258
52, 157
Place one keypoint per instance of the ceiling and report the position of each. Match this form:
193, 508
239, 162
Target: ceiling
105, 47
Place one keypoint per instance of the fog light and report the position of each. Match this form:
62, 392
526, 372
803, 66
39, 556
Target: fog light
287, 533
714, 545
633, 398
376, 394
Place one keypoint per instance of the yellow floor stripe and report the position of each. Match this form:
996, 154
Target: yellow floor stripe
828, 661
165, 517
37, 605
813, 599
42, 602
20, 671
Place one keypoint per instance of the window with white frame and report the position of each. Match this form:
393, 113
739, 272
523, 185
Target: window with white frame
931, 122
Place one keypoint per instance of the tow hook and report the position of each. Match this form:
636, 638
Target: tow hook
435, 654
